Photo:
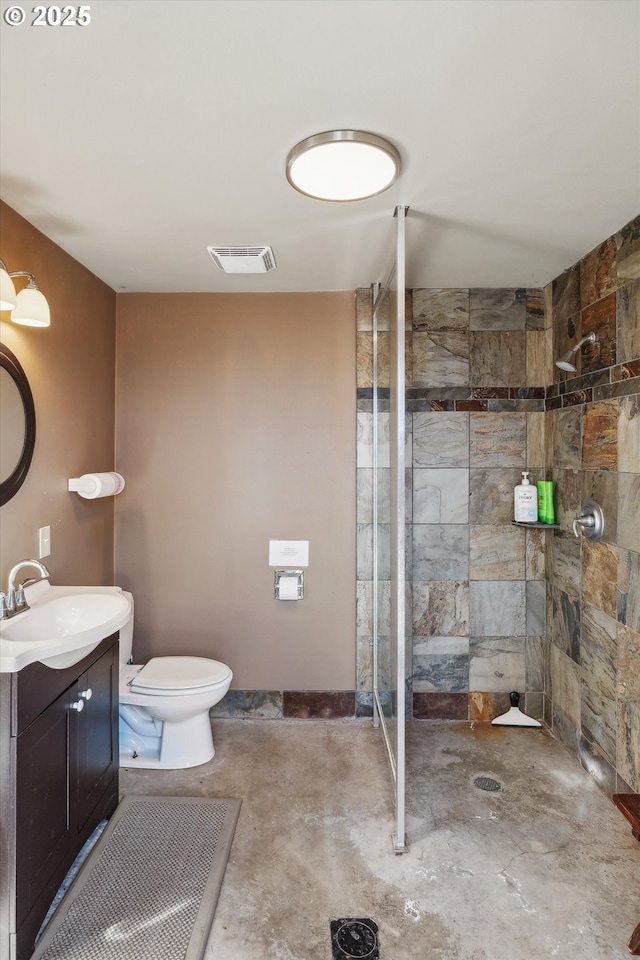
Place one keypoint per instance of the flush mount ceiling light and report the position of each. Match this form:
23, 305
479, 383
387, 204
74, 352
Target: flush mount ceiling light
343, 165
29, 307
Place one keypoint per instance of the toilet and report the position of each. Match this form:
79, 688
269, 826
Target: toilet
164, 707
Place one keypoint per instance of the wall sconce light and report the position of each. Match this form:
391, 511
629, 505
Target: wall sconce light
343, 165
28, 307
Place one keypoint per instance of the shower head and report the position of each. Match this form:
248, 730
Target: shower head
565, 362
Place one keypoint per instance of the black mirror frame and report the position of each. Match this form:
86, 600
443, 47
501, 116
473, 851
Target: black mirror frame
10, 486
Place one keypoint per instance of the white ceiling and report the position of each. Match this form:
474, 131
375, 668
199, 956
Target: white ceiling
164, 125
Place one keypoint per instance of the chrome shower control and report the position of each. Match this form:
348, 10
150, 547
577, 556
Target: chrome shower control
590, 523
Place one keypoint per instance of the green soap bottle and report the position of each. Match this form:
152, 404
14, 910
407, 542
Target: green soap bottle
545, 501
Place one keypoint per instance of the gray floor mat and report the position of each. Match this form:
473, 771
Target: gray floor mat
149, 888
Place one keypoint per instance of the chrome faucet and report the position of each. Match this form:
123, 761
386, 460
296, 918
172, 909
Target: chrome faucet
14, 601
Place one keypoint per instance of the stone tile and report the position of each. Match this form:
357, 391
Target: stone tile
628, 321
497, 358
628, 239
364, 551
628, 664
629, 434
600, 576
534, 663
440, 551
599, 768
440, 495
536, 448
566, 294
496, 552
364, 440
364, 359
535, 554
364, 608
598, 275
598, 672
565, 563
440, 439
364, 308
485, 705
566, 438
364, 495
364, 663
440, 706
497, 664
502, 309
565, 680
600, 435
266, 704
628, 605
441, 672
440, 309
536, 593
565, 629
602, 486
534, 704
497, 608
441, 358
536, 357
628, 743
440, 609
491, 495
318, 704
498, 439
440, 646
600, 318
567, 489
535, 310
629, 511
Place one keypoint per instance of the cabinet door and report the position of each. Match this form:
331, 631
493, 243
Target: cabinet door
45, 832
97, 733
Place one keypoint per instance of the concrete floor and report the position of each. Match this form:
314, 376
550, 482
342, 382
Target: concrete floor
546, 867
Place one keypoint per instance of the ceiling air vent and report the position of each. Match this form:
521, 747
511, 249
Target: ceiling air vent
243, 259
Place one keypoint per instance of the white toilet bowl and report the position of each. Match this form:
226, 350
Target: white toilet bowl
164, 708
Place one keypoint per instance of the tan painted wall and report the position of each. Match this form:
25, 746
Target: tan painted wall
235, 419
71, 369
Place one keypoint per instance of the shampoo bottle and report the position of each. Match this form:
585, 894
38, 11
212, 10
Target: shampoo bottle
525, 501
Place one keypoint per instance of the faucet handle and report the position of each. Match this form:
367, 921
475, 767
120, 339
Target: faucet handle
21, 600
4, 613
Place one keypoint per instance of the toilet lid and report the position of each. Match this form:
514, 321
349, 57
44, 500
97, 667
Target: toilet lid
180, 673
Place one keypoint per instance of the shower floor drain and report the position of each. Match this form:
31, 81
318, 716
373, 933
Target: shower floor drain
354, 939
486, 783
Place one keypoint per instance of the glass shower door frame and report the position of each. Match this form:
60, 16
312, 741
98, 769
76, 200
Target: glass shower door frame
389, 712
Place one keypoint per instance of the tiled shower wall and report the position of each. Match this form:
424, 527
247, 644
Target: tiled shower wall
475, 412
592, 656
495, 607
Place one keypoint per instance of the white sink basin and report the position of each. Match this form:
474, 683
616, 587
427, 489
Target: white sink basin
62, 625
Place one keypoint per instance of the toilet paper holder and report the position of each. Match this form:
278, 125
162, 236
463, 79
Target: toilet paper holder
292, 583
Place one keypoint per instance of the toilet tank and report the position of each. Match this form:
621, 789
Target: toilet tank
126, 634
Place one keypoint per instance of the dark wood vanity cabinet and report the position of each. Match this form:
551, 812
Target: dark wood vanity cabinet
59, 767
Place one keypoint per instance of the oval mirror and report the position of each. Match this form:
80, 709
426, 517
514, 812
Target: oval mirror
17, 426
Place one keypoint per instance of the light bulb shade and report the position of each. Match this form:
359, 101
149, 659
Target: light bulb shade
343, 165
7, 291
31, 309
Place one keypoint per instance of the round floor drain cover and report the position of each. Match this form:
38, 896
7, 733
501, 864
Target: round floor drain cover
486, 783
355, 939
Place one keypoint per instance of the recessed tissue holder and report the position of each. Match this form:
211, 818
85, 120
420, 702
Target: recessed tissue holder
590, 523
288, 584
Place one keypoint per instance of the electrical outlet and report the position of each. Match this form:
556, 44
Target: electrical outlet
44, 542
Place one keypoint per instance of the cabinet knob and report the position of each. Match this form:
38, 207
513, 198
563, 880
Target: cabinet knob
86, 694
78, 705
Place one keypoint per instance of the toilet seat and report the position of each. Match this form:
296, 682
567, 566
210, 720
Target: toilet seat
179, 675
